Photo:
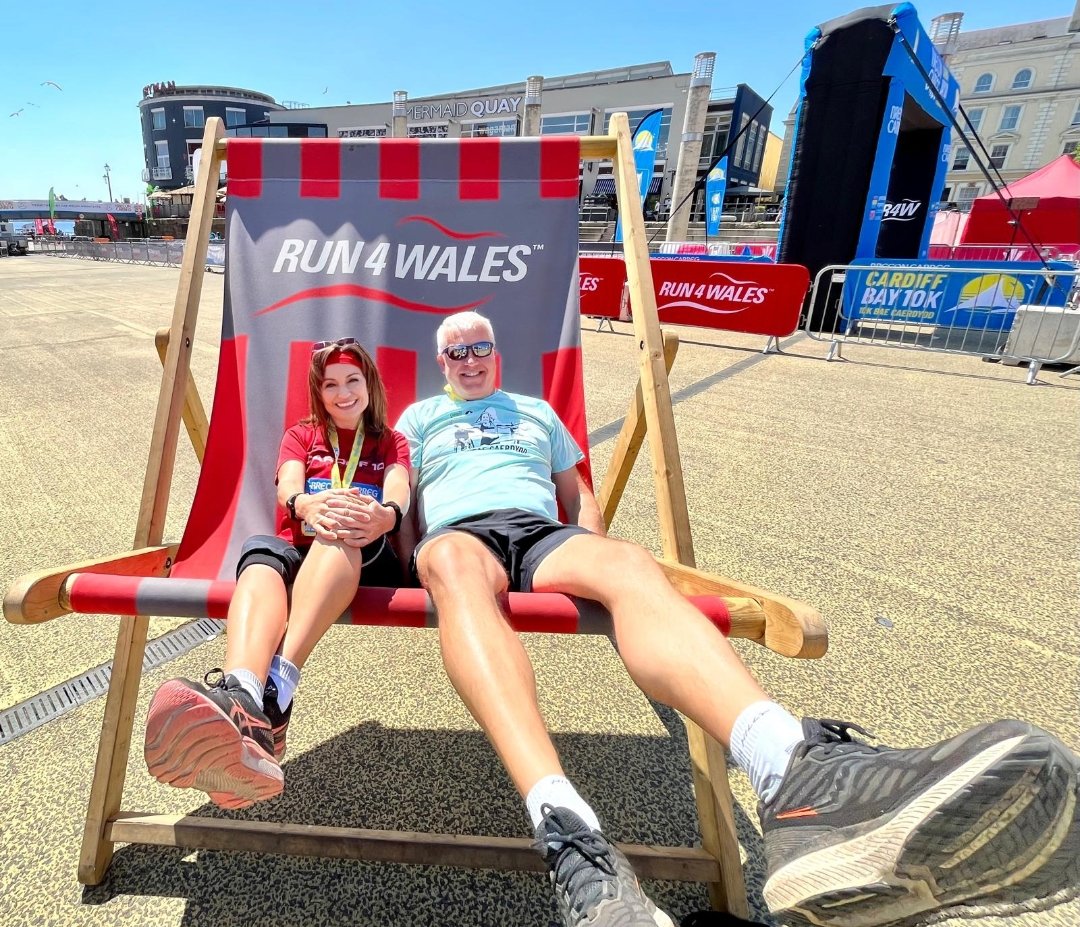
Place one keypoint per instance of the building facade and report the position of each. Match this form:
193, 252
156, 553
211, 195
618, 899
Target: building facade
1020, 88
576, 104
173, 119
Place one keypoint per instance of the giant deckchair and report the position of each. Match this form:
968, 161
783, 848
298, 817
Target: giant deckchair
376, 239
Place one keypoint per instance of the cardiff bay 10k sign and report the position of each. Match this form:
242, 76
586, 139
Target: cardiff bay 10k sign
948, 293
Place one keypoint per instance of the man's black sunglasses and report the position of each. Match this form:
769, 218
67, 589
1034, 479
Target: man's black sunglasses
458, 352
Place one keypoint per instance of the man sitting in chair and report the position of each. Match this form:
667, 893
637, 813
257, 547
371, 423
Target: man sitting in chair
853, 833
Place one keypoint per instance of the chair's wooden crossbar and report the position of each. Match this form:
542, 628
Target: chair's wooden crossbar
790, 627
682, 864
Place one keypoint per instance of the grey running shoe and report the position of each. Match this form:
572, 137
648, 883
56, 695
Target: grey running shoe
214, 738
860, 835
594, 884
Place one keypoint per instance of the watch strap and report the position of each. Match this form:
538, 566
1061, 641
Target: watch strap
397, 516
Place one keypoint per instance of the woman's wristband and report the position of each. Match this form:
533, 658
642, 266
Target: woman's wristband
290, 505
397, 516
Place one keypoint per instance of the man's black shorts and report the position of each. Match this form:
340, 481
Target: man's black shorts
380, 563
519, 540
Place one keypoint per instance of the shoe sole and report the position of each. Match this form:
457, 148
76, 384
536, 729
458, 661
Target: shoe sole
939, 852
192, 743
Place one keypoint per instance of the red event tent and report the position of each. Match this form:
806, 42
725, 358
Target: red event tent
1055, 220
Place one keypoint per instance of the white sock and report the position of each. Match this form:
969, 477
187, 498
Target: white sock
559, 793
761, 743
252, 684
286, 676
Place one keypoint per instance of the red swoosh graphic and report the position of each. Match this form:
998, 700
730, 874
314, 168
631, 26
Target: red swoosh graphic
450, 233
352, 289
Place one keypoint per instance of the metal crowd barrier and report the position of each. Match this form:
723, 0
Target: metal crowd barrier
155, 252
1010, 314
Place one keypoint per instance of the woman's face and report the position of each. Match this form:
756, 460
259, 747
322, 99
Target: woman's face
344, 394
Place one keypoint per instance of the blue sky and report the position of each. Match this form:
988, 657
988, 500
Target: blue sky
103, 54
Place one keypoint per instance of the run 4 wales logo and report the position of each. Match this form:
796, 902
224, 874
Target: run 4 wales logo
904, 211
464, 258
725, 297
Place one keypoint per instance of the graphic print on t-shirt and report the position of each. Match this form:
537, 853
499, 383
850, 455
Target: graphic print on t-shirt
488, 429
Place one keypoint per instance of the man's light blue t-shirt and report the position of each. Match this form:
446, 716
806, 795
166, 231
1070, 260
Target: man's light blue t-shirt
472, 456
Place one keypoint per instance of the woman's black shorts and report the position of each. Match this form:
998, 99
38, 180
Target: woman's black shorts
380, 566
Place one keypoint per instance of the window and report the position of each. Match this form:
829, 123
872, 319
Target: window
162, 150
945, 194
157, 117
998, 154
1069, 148
1022, 80
316, 131
984, 83
569, 124
193, 117
234, 117
1076, 116
1010, 118
965, 196
975, 118
431, 131
960, 159
499, 128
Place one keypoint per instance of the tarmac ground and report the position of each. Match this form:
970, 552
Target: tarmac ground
927, 504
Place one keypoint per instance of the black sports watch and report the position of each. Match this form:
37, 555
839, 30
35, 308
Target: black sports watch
290, 506
397, 516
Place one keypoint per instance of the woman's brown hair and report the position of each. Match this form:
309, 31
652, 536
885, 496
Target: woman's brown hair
374, 414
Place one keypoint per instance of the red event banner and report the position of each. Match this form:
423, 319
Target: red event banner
758, 299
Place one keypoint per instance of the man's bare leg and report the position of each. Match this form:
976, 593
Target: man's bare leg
484, 657
672, 651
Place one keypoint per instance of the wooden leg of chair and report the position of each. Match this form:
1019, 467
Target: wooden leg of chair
717, 820
107, 788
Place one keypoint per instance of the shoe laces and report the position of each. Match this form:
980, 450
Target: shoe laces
219, 678
581, 860
832, 735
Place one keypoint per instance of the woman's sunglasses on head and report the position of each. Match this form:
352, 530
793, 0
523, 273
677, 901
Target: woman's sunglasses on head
458, 352
339, 343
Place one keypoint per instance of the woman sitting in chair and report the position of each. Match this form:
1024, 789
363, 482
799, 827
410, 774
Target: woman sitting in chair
342, 485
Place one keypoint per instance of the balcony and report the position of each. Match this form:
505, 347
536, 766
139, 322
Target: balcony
161, 173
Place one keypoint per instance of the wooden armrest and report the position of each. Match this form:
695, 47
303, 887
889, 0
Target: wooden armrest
792, 628
36, 597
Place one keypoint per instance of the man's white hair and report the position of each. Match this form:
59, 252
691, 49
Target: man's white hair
453, 326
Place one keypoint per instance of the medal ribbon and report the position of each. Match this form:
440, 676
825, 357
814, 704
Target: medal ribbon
336, 479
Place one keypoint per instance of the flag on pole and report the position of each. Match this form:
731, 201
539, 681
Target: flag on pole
715, 186
644, 141
112, 224
52, 203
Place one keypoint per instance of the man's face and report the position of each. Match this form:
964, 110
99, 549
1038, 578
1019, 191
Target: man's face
471, 377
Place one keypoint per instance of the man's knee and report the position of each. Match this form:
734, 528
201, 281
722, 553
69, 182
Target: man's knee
458, 558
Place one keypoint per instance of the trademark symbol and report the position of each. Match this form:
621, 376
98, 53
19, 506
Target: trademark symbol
538, 247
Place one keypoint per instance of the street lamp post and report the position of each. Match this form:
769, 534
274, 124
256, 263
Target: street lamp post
108, 181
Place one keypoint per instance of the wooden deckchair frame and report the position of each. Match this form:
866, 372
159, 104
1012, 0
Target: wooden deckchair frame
789, 627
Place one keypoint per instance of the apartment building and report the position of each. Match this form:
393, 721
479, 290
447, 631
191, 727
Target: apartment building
1020, 88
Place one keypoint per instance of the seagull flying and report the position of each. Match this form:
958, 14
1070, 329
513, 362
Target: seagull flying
51, 83
325, 89
17, 112
31, 103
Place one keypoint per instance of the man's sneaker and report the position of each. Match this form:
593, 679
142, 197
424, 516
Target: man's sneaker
594, 884
860, 835
214, 738
279, 720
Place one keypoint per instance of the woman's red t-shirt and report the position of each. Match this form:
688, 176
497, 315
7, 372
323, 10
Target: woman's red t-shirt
309, 445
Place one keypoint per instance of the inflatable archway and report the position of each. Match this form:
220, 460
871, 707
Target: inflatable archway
871, 143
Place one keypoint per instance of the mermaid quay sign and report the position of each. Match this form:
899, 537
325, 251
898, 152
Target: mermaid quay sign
456, 109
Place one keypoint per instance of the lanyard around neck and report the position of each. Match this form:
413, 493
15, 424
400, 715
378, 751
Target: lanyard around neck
336, 479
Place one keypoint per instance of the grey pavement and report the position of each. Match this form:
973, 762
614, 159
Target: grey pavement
928, 505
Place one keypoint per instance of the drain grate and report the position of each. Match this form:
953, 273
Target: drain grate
45, 706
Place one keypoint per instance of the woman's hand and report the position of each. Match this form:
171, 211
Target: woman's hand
368, 525
331, 512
